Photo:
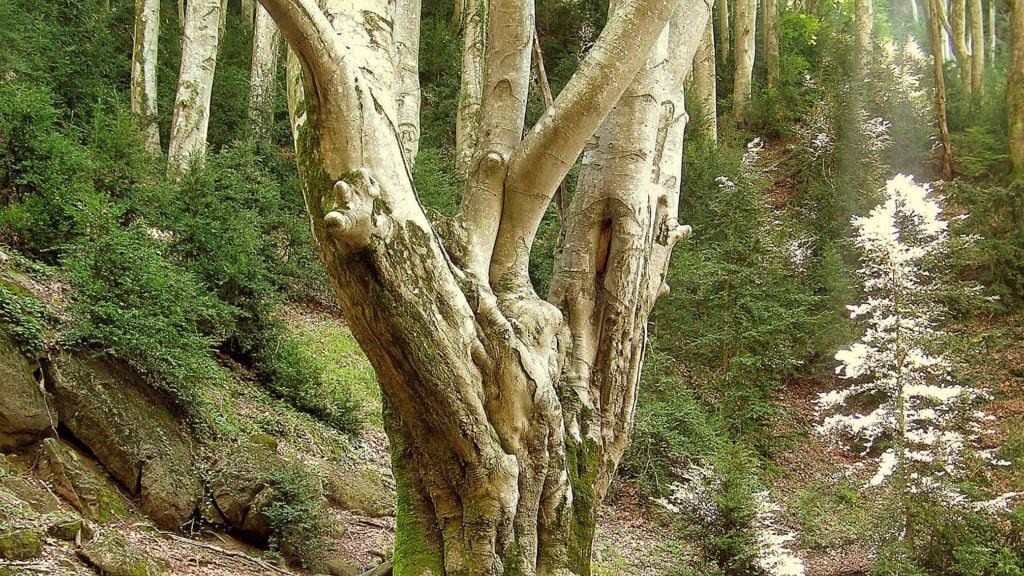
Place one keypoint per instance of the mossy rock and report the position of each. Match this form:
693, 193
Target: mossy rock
240, 487
24, 417
366, 491
112, 555
20, 545
133, 433
79, 481
69, 530
31, 492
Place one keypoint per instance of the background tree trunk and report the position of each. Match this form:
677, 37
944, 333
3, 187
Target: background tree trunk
1015, 87
935, 33
958, 35
744, 31
991, 39
705, 83
266, 48
770, 20
249, 12
976, 20
724, 42
499, 467
864, 18
195, 84
144, 71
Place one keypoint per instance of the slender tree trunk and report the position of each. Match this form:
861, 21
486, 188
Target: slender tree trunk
266, 48
181, 14
991, 43
864, 17
222, 26
1015, 87
474, 46
958, 33
935, 32
913, 11
976, 19
704, 82
249, 12
744, 32
724, 42
507, 414
144, 75
770, 20
195, 84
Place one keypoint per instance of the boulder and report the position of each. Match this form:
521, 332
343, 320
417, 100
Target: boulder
112, 555
24, 417
240, 487
31, 492
131, 430
71, 530
78, 481
342, 567
365, 491
20, 545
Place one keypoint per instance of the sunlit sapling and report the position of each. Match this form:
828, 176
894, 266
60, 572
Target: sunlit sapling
904, 408
705, 501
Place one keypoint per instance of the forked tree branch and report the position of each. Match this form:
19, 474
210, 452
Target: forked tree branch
552, 146
308, 32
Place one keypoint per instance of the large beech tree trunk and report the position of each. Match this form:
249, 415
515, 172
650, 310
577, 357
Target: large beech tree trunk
195, 84
144, 75
743, 50
1015, 87
957, 27
507, 413
704, 82
266, 48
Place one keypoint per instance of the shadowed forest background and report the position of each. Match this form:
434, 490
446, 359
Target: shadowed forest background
179, 392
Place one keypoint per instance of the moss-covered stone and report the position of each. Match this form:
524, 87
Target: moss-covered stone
20, 545
69, 530
133, 433
32, 493
76, 479
24, 417
365, 491
112, 555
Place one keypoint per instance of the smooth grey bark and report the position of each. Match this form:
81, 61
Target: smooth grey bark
266, 49
991, 30
724, 43
507, 414
144, 70
195, 85
472, 22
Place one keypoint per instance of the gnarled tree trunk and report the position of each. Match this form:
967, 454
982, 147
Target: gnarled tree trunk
195, 84
266, 48
507, 414
144, 60
743, 33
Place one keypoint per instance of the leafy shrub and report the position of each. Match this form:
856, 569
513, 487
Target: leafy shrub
24, 318
130, 302
297, 521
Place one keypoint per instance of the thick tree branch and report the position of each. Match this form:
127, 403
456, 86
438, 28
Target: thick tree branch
502, 115
552, 146
308, 32
407, 76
